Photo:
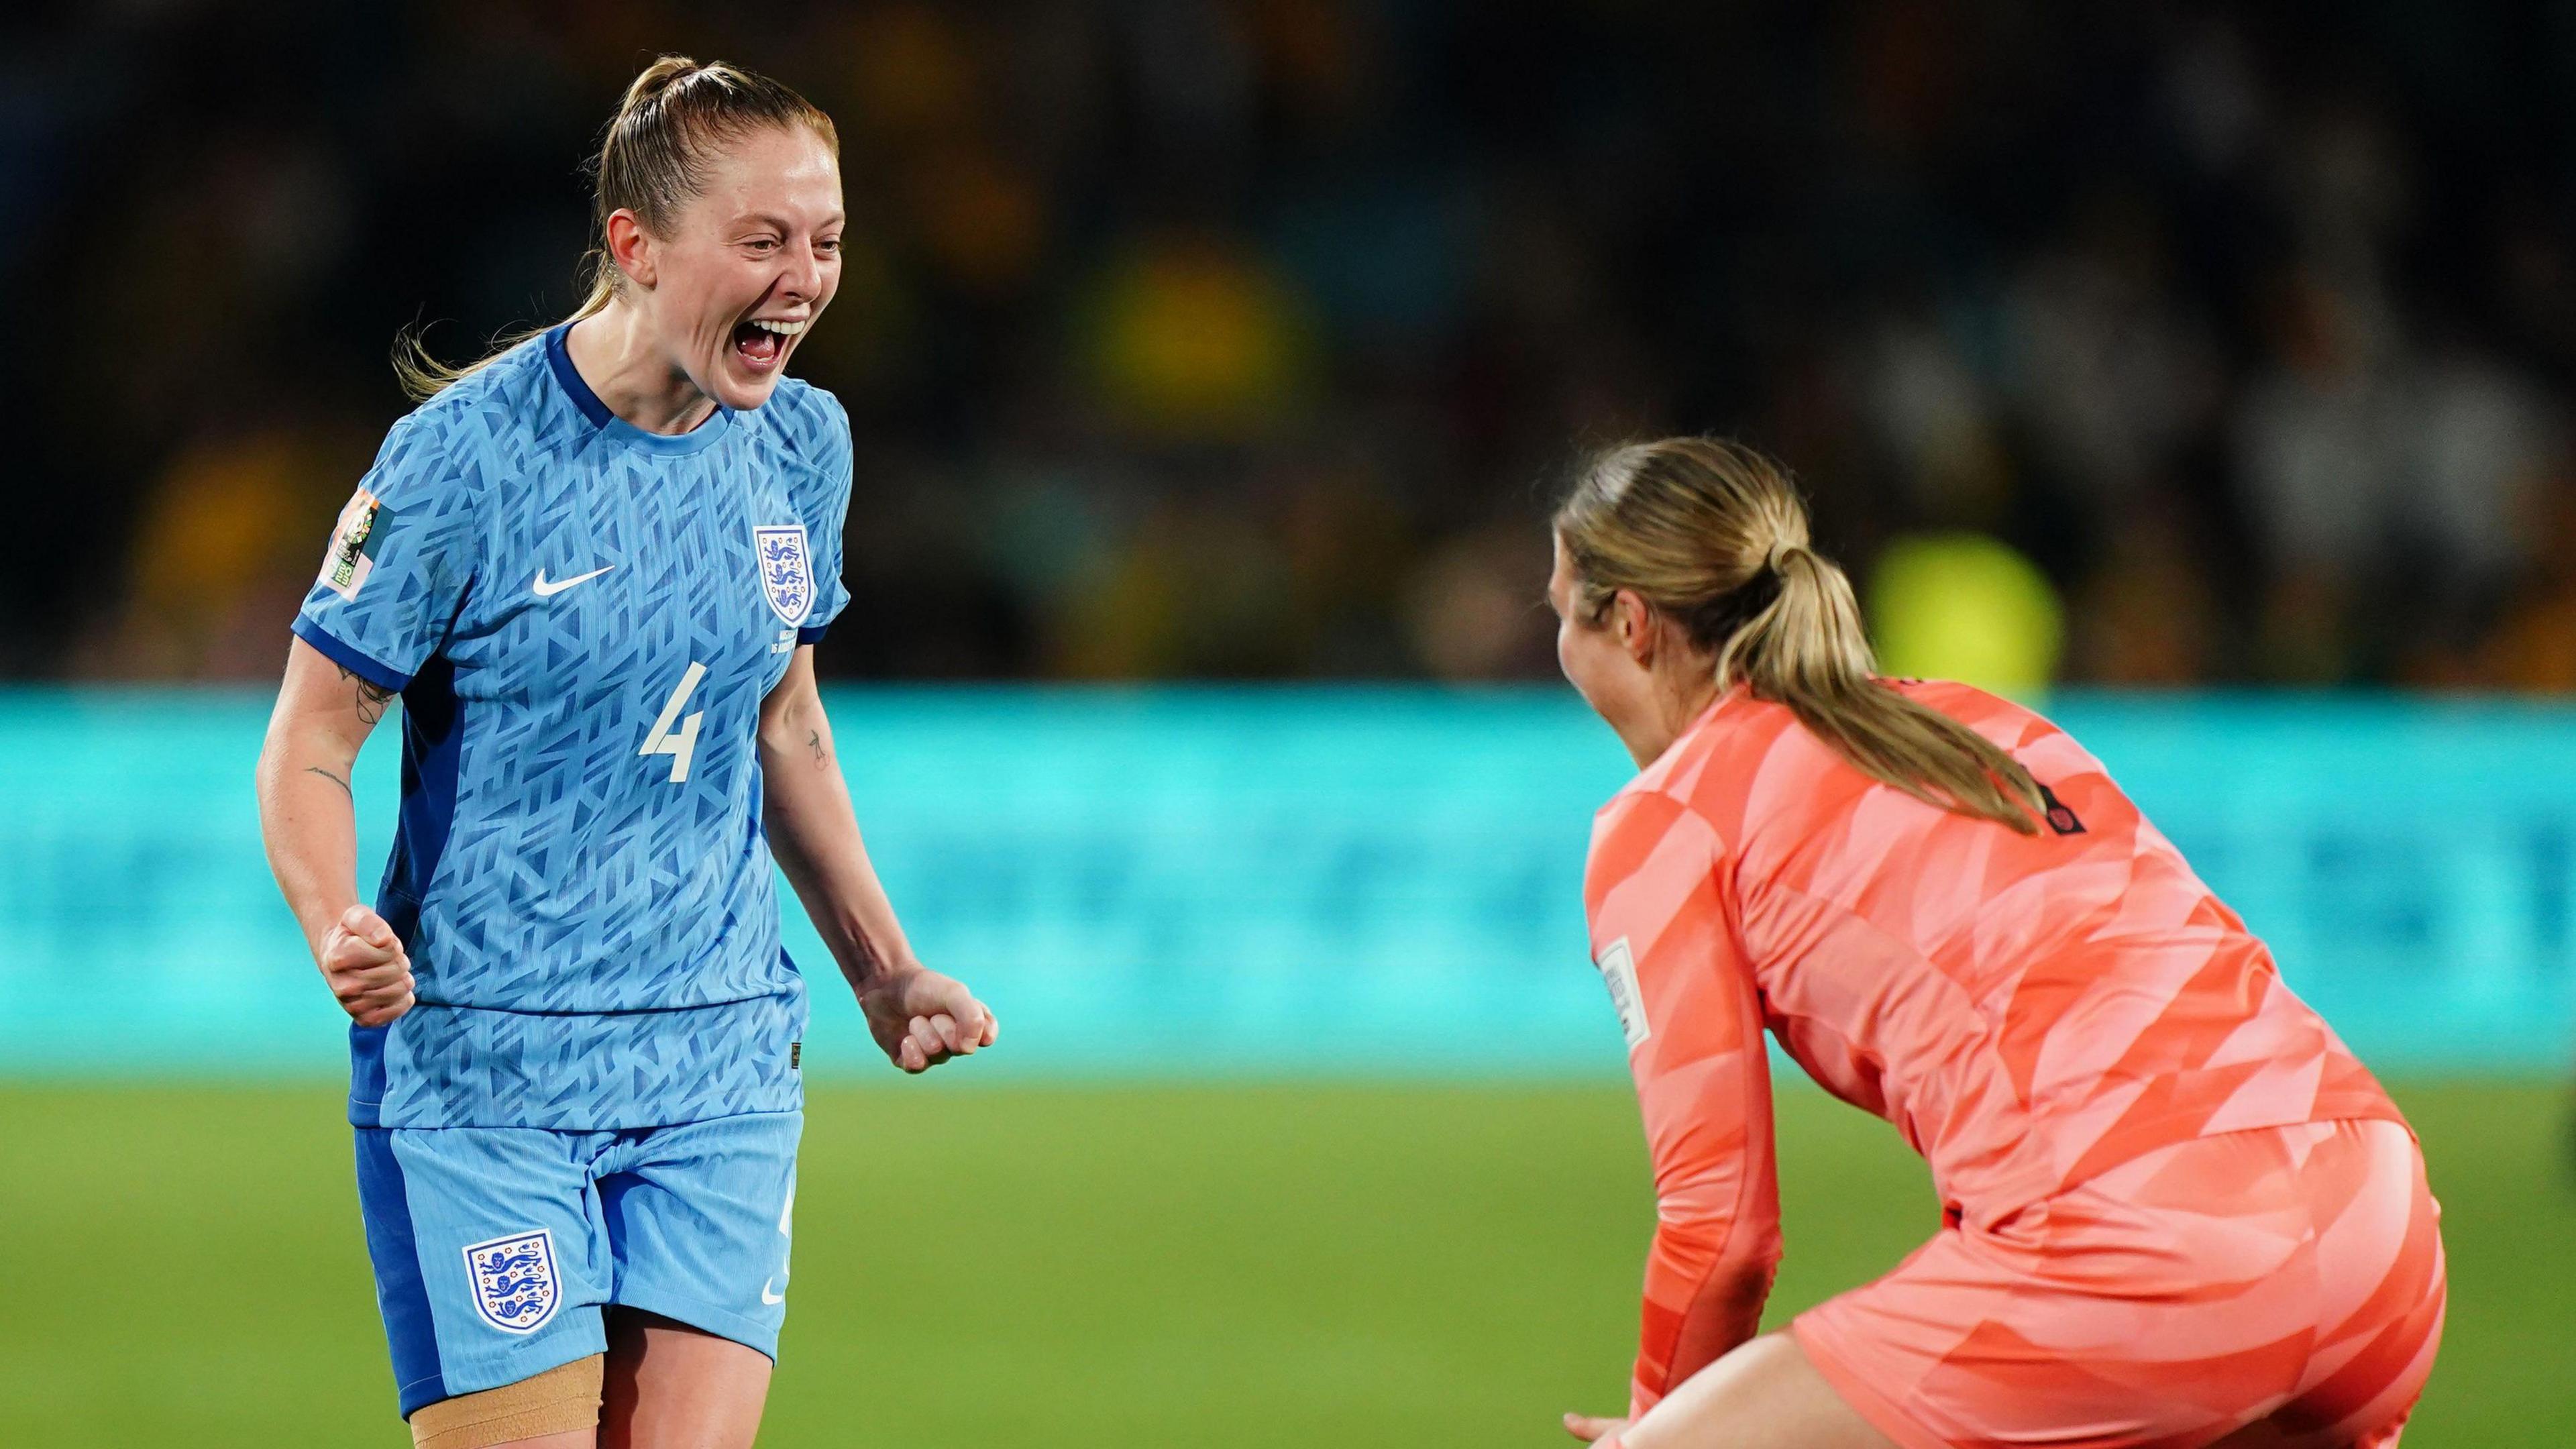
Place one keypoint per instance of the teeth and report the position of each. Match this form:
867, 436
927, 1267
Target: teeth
781, 327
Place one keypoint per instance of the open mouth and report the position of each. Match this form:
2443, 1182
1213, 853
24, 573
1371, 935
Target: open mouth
762, 341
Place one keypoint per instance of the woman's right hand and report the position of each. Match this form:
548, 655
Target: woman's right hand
366, 966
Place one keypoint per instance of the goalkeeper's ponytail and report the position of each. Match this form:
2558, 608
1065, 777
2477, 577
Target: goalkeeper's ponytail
1713, 535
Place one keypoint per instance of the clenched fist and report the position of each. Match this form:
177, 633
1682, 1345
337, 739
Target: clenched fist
366, 966
921, 1018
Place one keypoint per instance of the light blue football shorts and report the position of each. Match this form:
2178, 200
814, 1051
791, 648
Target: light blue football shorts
497, 1249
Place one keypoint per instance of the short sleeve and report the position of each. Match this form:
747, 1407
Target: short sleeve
398, 563
825, 516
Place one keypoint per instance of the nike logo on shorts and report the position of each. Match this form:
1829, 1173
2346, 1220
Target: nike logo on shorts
766, 1296
547, 590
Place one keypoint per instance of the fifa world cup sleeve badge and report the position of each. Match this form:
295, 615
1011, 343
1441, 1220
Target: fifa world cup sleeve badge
515, 1283
352, 555
1618, 968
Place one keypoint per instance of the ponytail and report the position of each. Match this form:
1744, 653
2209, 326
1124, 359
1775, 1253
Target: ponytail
1713, 535
652, 161
424, 377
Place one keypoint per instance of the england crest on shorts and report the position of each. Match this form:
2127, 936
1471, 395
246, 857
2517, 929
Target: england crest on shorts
515, 1284
786, 573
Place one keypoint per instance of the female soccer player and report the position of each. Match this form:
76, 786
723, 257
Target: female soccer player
594, 566
2175, 1210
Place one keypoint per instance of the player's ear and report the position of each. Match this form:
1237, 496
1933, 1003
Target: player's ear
1633, 623
629, 247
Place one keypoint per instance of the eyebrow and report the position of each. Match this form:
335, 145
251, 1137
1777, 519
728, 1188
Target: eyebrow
778, 224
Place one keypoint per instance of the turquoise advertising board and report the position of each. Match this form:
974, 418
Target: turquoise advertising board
1280, 881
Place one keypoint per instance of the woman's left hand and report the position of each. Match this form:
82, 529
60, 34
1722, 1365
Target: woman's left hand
921, 1018
1591, 1430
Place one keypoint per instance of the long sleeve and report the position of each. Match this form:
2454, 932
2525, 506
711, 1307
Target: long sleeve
1663, 943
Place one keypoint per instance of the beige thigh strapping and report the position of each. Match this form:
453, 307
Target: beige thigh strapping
554, 1402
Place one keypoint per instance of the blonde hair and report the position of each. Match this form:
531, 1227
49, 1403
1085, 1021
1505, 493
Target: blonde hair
652, 161
1713, 535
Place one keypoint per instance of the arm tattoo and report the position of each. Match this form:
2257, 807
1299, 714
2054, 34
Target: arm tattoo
814, 742
371, 696
334, 779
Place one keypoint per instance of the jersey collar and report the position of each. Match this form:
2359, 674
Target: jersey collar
1687, 745
567, 377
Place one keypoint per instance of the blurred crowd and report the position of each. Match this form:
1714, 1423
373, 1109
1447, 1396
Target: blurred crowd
2158, 343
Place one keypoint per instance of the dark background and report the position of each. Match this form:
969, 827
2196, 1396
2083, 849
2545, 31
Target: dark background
1251, 339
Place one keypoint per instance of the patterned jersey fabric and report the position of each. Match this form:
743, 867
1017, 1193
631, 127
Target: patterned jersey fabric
583, 618
2029, 1011
2291, 1276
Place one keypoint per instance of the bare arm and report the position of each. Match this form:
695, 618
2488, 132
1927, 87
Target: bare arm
919, 1016
308, 822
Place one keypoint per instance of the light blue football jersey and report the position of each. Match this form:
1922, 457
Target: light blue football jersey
583, 618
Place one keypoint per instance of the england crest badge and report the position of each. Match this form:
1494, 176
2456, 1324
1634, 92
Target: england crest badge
516, 1287
786, 573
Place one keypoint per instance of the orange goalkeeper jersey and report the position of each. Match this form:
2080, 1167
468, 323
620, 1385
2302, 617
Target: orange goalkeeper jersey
2027, 1010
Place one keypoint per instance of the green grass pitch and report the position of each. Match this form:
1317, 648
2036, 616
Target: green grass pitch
1067, 1265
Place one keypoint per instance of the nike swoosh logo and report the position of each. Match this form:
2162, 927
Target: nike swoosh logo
771, 1298
546, 590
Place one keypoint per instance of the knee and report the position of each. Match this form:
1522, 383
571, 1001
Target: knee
561, 1400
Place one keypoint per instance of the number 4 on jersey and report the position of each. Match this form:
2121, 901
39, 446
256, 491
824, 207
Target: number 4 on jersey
681, 744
